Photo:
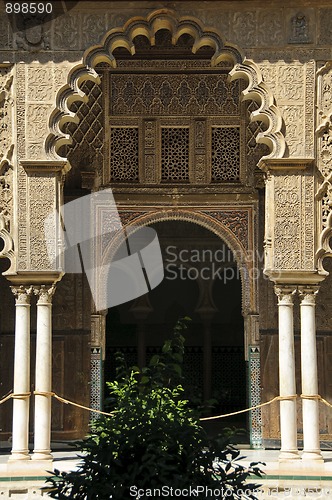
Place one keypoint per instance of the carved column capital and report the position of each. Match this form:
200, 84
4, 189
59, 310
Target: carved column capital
308, 294
44, 293
22, 294
285, 294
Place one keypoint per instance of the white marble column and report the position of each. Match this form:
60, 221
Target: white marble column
20, 438
310, 407
287, 384
43, 382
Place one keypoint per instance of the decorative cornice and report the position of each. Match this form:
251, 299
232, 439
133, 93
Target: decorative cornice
45, 166
34, 278
268, 164
296, 277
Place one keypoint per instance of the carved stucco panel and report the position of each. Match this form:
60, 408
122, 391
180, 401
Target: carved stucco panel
66, 30
243, 28
6, 147
293, 88
40, 83
294, 120
325, 26
42, 200
294, 222
93, 28
37, 121
310, 68
21, 175
287, 231
270, 27
6, 35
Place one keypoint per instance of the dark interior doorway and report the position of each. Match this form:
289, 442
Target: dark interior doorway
201, 281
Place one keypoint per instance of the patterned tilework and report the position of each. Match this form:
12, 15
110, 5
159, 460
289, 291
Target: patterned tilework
96, 381
255, 417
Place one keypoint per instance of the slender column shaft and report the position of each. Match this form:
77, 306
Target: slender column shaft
310, 407
20, 438
287, 383
43, 383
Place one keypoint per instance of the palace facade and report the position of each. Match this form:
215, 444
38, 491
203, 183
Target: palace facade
211, 123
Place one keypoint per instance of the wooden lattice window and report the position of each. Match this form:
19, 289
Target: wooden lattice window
124, 154
175, 154
225, 154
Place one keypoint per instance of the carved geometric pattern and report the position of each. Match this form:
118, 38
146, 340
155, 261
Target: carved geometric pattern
175, 154
287, 230
225, 154
174, 95
255, 416
87, 135
124, 154
235, 220
42, 198
96, 381
22, 178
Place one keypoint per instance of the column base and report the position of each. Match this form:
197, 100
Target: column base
42, 455
286, 455
19, 455
313, 455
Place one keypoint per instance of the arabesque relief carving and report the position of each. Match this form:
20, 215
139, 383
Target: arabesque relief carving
324, 158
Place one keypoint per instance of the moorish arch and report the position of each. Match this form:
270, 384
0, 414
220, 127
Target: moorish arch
243, 260
243, 68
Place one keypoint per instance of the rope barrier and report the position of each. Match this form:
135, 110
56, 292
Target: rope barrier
318, 397
23, 395
68, 402
26, 395
5, 398
277, 398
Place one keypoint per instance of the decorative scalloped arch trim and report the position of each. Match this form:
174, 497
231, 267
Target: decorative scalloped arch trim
216, 227
8, 249
256, 90
325, 248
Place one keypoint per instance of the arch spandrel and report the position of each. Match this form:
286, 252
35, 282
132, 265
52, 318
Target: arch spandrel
203, 36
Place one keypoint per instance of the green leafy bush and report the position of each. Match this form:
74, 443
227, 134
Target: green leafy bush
154, 442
